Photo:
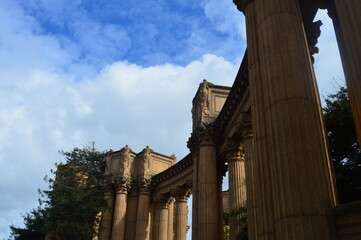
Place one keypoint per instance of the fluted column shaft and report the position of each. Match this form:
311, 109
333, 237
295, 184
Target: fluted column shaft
180, 230
161, 231
262, 172
107, 216
301, 181
237, 185
119, 214
347, 24
142, 231
209, 223
195, 156
247, 143
298, 170
170, 231
131, 217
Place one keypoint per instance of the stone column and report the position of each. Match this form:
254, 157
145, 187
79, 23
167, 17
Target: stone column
181, 211
301, 182
195, 156
142, 231
120, 210
247, 142
170, 221
131, 217
237, 184
162, 215
107, 215
347, 22
209, 222
262, 173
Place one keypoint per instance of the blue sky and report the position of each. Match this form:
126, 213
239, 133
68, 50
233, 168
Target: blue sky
114, 72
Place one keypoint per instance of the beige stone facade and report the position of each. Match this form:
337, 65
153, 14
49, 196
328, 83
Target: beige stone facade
267, 131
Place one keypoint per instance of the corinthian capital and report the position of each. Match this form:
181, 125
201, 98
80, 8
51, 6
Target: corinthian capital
122, 185
202, 134
241, 4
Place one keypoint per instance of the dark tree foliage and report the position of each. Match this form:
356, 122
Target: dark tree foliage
74, 197
345, 151
34, 226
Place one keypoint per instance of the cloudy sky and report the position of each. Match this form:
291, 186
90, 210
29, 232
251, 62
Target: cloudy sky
114, 72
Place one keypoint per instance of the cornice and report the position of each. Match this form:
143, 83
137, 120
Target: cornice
242, 4
234, 99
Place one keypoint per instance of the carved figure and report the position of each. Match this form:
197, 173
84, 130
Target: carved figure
108, 162
145, 159
125, 160
204, 97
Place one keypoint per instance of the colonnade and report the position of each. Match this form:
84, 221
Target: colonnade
292, 170
132, 213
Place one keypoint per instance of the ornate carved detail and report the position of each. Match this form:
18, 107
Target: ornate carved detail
143, 185
222, 169
313, 32
181, 193
203, 132
204, 97
244, 126
125, 160
241, 4
233, 150
122, 185
163, 200
185, 163
145, 158
108, 162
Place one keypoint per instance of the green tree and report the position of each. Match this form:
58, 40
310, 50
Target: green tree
34, 226
73, 200
345, 151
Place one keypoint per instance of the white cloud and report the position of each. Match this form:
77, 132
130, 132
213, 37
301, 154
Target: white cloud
124, 104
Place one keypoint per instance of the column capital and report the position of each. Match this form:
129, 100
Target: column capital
143, 185
163, 201
204, 134
242, 4
122, 185
244, 126
233, 150
181, 193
